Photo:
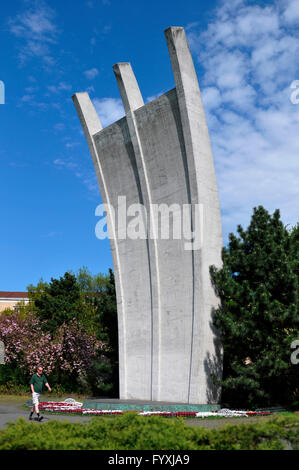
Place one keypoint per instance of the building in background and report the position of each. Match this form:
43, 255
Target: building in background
11, 299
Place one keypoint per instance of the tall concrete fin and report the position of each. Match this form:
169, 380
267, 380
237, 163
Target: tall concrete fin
203, 191
91, 125
88, 116
128, 86
132, 101
181, 60
195, 128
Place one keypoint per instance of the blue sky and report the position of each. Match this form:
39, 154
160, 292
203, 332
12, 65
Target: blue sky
246, 56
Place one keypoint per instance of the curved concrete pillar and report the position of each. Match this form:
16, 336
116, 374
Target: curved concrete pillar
160, 156
132, 100
128, 86
203, 190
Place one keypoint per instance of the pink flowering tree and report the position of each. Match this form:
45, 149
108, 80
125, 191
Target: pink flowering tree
66, 357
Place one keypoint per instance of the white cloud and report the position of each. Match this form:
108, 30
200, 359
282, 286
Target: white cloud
36, 30
62, 86
249, 59
90, 89
153, 97
59, 126
211, 97
109, 110
291, 13
35, 23
91, 74
32, 101
86, 176
65, 164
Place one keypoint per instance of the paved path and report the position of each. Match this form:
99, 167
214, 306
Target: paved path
13, 410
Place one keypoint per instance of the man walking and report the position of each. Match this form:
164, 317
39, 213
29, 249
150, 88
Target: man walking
37, 382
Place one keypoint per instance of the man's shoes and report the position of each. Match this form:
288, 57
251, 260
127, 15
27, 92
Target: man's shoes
30, 418
40, 418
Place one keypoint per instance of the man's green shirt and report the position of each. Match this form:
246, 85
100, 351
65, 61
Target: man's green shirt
38, 382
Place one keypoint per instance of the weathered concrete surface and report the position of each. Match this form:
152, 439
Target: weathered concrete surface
160, 153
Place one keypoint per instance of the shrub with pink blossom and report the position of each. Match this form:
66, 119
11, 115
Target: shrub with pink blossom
67, 357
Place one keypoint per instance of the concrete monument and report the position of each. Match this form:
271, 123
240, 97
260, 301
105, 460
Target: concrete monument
160, 154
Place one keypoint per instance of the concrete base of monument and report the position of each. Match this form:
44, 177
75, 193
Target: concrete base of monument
139, 405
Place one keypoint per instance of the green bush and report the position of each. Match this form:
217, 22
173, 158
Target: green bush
132, 432
11, 388
258, 316
13, 378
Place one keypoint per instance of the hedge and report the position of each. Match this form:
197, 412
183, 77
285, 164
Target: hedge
132, 432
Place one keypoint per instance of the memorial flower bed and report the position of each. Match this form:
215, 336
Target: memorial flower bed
61, 407
71, 406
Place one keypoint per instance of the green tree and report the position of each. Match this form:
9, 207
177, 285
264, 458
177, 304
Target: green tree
91, 284
99, 296
108, 332
91, 300
258, 317
59, 302
35, 292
